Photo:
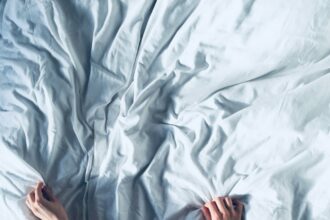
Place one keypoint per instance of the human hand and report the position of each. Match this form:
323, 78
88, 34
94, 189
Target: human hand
223, 208
44, 204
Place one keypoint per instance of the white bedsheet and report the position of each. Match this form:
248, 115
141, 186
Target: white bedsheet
147, 109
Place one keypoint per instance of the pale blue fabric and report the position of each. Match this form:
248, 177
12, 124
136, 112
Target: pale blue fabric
134, 109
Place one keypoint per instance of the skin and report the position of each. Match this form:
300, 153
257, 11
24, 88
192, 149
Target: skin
223, 208
44, 205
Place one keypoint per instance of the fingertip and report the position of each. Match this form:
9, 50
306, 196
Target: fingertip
216, 199
229, 203
240, 205
40, 185
38, 194
221, 198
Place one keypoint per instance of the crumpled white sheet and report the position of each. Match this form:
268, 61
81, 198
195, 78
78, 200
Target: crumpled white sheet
147, 109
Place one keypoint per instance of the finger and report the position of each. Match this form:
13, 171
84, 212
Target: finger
31, 201
37, 213
43, 210
31, 197
206, 213
38, 193
229, 203
221, 205
35, 210
240, 206
28, 204
214, 212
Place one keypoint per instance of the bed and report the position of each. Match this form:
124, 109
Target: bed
147, 109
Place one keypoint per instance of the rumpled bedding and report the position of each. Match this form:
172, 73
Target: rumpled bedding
147, 109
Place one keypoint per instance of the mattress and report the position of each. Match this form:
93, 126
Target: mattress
147, 109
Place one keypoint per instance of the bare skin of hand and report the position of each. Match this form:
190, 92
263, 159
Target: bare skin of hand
44, 205
223, 208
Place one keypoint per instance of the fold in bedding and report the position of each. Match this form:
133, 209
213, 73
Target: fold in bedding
147, 109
